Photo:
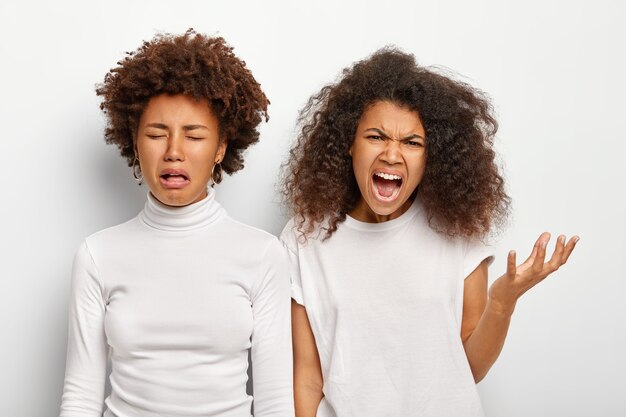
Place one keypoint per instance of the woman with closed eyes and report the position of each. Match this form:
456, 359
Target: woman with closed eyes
394, 188
177, 297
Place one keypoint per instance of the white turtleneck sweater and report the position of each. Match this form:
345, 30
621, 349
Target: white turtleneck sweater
175, 298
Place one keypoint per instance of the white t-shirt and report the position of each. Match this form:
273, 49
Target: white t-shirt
176, 297
385, 303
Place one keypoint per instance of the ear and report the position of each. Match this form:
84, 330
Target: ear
136, 151
350, 151
221, 150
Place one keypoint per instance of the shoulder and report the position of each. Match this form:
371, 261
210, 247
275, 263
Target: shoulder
112, 234
250, 244
476, 250
293, 237
245, 235
289, 235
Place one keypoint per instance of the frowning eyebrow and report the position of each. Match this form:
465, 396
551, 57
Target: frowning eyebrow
386, 136
185, 128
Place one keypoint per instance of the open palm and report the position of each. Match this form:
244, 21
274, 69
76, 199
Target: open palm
506, 290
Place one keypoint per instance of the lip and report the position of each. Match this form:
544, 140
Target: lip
174, 183
175, 171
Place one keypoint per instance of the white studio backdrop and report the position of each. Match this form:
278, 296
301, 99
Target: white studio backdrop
554, 69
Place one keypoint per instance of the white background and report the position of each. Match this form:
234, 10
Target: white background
554, 69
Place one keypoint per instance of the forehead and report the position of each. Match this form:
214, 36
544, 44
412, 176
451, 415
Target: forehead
391, 118
177, 107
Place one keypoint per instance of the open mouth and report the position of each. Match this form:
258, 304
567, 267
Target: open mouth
174, 179
386, 186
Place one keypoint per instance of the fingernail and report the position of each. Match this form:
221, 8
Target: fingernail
561, 239
576, 239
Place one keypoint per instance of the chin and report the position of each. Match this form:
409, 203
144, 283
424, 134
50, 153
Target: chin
383, 211
381, 208
173, 200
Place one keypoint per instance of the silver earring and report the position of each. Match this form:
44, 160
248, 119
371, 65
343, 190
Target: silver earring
216, 173
137, 174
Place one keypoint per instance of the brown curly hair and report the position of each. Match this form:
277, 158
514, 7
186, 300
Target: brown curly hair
462, 190
193, 64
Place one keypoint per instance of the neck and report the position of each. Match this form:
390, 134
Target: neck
362, 212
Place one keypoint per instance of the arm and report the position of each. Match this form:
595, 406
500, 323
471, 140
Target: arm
85, 371
307, 374
483, 331
486, 319
272, 372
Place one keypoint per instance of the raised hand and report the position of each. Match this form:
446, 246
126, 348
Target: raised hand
506, 290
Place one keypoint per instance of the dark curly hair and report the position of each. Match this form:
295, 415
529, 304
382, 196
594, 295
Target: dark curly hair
462, 190
193, 64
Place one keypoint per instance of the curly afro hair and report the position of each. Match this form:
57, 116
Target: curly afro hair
193, 64
462, 190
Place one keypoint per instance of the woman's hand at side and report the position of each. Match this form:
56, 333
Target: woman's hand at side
308, 381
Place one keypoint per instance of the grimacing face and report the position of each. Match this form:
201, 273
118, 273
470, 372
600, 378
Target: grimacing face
388, 159
177, 145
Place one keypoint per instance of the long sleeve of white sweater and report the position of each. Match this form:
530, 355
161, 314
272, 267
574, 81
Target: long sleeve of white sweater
87, 348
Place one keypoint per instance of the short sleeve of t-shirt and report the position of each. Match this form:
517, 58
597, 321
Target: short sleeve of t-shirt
475, 252
288, 237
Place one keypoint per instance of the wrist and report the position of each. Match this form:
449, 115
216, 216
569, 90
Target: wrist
499, 308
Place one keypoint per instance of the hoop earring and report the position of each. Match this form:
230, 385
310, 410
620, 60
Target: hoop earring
137, 174
216, 173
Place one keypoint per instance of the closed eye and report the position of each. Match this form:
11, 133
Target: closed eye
194, 138
155, 136
374, 137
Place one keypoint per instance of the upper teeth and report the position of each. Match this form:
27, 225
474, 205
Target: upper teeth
388, 176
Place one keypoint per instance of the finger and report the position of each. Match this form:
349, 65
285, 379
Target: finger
569, 248
541, 255
529, 261
511, 268
557, 256
533, 254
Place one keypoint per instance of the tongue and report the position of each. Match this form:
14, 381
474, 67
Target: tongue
385, 187
175, 178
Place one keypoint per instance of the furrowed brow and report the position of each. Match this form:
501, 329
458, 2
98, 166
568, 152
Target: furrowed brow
158, 126
413, 136
194, 127
380, 132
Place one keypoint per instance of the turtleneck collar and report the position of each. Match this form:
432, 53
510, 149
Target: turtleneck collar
194, 216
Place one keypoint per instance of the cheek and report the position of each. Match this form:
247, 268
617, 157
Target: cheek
147, 151
203, 161
360, 169
417, 169
420, 165
202, 166
145, 157
361, 162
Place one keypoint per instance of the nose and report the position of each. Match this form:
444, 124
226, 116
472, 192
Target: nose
175, 151
392, 154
